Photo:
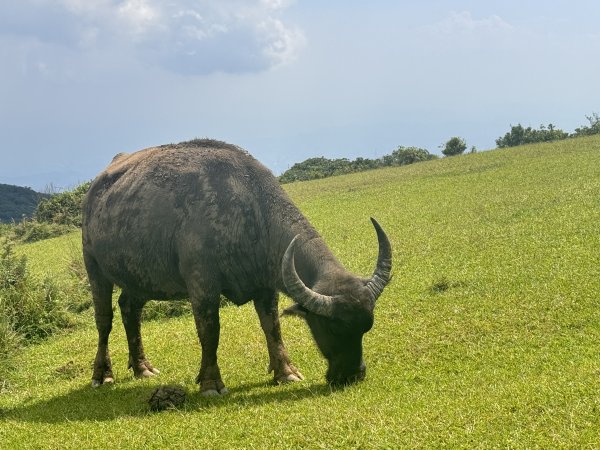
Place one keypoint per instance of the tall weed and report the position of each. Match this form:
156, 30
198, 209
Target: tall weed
30, 309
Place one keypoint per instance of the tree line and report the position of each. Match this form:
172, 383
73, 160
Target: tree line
321, 167
314, 168
519, 135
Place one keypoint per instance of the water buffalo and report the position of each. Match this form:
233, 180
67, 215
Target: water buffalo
204, 218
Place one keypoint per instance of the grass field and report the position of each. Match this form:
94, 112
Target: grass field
488, 335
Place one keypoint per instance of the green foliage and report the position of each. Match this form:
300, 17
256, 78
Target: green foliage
317, 168
593, 128
30, 309
454, 146
17, 202
63, 208
5, 230
34, 230
155, 310
61, 260
54, 216
518, 135
362, 164
403, 156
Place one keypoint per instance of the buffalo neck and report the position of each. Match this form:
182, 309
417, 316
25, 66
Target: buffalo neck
314, 260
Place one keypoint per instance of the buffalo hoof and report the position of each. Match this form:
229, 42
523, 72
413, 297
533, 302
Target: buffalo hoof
291, 378
286, 373
106, 380
214, 392
147, 373
144, 370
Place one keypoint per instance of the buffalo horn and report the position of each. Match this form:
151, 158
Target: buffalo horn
300, 293
382, 274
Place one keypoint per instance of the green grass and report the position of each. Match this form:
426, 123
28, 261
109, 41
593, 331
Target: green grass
53, 257
488, 335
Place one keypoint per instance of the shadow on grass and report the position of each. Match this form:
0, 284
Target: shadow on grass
130, 400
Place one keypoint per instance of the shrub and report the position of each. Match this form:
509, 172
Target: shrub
455, 146
518, 135
314, 168
56, 215
33, 230
63, 208
407, 155
31, 306
5, 229
593, 128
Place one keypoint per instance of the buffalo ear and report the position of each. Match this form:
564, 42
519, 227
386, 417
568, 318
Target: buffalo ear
295, 310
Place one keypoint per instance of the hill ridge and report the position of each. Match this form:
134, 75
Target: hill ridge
17, 202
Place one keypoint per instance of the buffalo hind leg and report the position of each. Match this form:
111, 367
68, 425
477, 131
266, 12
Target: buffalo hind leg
265, 303
206, 316
131, 314
102, 295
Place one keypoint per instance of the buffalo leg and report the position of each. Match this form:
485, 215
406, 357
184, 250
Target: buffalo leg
206, 316
131, 314
265, 304
102, 294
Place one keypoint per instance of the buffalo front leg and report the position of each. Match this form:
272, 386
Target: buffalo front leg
206, 316
265, 304
131, 314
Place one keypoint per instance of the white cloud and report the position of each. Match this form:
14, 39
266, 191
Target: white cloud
187, 36
281, 44
276, 4
463, 35
138, 17
464, 23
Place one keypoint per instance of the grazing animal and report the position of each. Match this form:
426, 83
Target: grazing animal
204, 218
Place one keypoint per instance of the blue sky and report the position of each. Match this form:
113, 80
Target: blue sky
82, 80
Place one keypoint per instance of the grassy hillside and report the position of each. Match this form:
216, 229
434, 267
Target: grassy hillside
488, 336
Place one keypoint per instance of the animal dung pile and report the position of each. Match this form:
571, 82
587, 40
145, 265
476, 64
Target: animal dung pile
166, 397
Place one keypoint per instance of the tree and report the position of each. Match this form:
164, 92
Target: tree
455, 146
518, 135
585, 130
314, 168
403, 156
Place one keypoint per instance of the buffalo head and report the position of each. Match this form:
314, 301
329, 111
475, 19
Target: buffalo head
339, 311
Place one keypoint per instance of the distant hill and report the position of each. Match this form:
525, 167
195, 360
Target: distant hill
17, 201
